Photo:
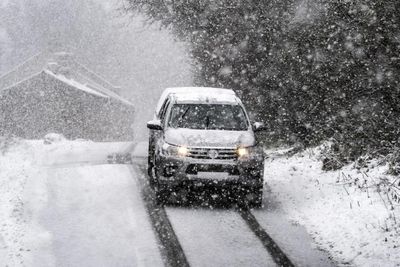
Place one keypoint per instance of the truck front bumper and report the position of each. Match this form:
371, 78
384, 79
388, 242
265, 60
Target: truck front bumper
190, 172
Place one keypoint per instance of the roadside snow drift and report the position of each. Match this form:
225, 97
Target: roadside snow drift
16, 164
355, 225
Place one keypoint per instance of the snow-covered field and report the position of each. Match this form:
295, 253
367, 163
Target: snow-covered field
343, 219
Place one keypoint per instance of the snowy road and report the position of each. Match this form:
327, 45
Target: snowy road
217, 238
97, 219
210, 237
80, 211
229, 237
93, 214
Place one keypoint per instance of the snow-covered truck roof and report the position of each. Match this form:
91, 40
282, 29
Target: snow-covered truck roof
190, 94
206, 98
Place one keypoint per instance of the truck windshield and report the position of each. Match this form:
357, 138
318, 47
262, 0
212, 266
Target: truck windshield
208, 116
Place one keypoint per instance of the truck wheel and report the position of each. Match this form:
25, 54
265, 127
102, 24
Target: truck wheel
150, 160
252, 198
256, 201
153, 171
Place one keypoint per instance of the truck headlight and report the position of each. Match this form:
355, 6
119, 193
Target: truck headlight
182, 151
243, 151
247, 153
174, 151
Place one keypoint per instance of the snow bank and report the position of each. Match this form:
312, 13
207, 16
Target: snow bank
354, 224
16, 164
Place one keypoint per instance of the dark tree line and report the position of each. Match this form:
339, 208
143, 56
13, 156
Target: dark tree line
313, 70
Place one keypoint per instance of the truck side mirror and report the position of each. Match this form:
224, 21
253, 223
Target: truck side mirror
259, 126
155, 125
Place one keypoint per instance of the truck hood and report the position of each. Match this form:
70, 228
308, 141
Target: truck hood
209, 138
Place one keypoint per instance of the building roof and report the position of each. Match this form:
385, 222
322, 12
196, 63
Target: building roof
61, 66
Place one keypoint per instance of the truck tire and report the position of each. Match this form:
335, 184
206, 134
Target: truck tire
252, 197
162, 196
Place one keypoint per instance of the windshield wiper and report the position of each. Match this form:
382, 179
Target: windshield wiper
180, 120
184, 113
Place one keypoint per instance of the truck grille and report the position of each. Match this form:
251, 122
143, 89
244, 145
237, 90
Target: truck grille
212, 153
194, 169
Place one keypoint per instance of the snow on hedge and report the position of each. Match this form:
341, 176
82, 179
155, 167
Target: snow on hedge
349, 212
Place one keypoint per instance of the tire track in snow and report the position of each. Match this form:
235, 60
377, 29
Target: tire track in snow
170, 245
277, 254
171, 249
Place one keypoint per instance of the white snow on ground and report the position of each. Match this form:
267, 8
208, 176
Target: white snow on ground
140, 151
15, 167
96, 218
344, 220
61, 206
217, 238
75, 153
291, 237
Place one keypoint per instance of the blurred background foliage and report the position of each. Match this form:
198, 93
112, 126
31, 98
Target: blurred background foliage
312, 70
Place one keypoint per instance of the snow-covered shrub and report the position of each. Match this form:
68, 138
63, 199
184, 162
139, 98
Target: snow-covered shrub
331, 155
393, 159
393, 185
386, 187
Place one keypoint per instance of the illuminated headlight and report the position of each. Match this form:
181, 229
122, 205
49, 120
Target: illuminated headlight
249, 152
175, 151
182, 151
243, 152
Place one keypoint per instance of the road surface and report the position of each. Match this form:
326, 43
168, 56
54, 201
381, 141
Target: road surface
83, 211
